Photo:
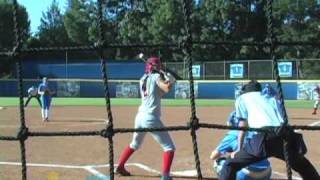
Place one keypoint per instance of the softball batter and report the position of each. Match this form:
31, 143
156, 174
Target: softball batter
153, 85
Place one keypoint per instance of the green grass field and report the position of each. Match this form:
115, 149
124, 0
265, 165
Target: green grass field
14, 101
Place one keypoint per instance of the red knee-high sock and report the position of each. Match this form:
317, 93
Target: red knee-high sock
167, 161
127, 152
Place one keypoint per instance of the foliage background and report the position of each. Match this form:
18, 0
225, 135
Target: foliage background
161, 22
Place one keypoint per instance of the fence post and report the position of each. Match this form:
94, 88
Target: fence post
224, 69
272, 68
297, 68
203, 70
248, 69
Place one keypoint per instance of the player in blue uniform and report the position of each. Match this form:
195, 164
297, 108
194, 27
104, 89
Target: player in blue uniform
153, 85
260, 170
45, 96
258, 111
269, 91
32, 93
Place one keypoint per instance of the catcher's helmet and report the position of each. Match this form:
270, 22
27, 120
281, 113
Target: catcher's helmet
153, 64
251, 87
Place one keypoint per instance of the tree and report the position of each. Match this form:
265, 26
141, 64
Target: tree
299, 21
167, 25
78, 21
226, 20
7, 37
130, 20
149, 22
51, 30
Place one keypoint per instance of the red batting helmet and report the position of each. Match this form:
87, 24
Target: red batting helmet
153, 64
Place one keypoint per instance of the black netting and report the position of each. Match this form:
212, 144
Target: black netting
186, 45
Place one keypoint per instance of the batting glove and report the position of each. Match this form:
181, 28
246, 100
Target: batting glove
169, 77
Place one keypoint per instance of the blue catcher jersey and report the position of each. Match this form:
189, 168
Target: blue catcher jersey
269, 91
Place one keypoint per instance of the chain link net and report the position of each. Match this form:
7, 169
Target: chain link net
186, 45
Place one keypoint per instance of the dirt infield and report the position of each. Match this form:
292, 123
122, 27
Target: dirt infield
81, 157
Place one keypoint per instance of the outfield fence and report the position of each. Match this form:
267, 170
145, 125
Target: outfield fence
294, 69
203, 89
299, 69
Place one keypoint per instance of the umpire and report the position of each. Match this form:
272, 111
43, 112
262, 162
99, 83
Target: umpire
33, 93
257, 111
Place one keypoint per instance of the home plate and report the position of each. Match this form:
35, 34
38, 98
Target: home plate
189, 173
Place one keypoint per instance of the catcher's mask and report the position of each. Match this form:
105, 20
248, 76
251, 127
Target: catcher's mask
153, 64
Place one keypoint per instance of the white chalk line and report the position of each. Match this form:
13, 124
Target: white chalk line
80, 118
51, 123
43, 165
65, 124
186, 173
311, 124
282, 175
95, 172
91, 168
43, 126
314, 123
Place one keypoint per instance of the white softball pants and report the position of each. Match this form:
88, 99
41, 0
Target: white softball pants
143, 120
316, 104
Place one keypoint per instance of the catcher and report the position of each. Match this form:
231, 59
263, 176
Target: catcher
256, 111
260, 170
